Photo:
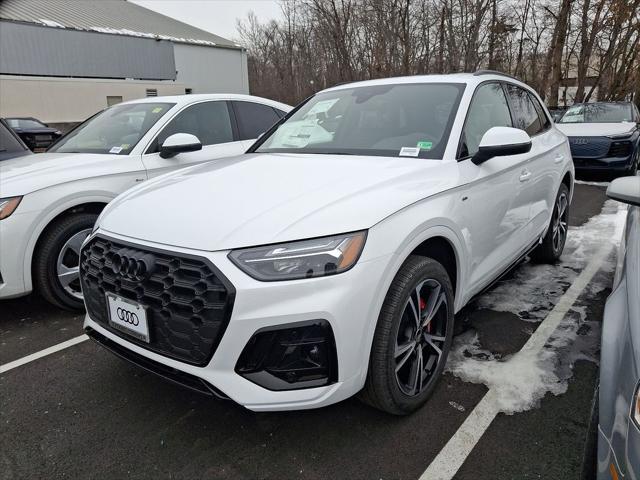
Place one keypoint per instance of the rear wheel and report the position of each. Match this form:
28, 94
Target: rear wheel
56, 261
412, 339
552, 245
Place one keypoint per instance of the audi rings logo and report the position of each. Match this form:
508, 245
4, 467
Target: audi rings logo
127, 317
133, 264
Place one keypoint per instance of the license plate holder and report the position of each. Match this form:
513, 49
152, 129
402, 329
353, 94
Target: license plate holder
128, 317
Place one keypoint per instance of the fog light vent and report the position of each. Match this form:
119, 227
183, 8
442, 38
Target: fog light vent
291, 357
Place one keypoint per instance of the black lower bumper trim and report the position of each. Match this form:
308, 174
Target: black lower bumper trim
168, 373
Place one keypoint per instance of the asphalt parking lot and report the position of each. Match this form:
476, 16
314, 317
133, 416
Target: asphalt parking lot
515, 402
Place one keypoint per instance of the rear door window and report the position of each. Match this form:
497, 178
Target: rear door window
8, 143
253, 119
524, 111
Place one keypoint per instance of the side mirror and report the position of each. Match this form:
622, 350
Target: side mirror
179, 143
626, 190
502, 141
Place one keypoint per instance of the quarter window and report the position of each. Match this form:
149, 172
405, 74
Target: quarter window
488, 109
524, 112
209, 121
254, 119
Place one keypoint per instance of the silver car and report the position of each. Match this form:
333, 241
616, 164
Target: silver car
619, 404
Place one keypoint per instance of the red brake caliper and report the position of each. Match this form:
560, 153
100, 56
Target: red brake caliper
423, 305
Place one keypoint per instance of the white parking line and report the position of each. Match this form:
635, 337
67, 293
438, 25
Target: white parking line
452, 456
42, 353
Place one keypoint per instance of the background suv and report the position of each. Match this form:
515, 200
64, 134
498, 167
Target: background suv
331, 258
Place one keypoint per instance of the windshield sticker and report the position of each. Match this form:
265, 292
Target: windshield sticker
156, 110
425, 145
409, 151
124, 146
322, 107
115, 150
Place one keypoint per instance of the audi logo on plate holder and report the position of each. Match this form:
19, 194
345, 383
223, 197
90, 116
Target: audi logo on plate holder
128, 317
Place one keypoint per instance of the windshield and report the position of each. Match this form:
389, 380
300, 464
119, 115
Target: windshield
412, 120
598, 113
24, 123
116, 130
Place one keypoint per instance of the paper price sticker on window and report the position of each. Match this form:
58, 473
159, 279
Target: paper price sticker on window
115, 150
409, 152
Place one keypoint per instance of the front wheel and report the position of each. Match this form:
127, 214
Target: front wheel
412, 338
552, 245
57, 259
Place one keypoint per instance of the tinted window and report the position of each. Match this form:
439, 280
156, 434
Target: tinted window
280, 113
524, 112
488, 109
412, 120
544, 120
254, 119
8, 143
209, 121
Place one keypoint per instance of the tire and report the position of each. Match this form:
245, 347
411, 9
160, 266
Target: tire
391, 388
590, 454
552, 245
59, 249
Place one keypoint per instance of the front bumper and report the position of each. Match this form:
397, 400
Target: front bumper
15, 231
612, 164
349, 302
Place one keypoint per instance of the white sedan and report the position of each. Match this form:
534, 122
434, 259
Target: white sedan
332, 257
49, 202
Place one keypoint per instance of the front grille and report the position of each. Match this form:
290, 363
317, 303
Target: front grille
188, 301
620, 149
589, 147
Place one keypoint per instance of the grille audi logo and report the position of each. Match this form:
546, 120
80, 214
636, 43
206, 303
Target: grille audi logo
127, 316
133, 264
579, 141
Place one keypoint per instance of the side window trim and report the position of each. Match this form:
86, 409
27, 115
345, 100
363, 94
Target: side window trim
235, 129
466, 117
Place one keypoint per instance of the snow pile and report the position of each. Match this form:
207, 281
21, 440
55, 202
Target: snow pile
521, 380
50, 23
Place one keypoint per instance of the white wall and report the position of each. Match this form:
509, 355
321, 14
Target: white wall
61, 100
211, 70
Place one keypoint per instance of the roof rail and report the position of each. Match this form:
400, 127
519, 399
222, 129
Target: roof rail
492, 72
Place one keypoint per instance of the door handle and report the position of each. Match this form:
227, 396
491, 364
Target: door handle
525, 176
559, 158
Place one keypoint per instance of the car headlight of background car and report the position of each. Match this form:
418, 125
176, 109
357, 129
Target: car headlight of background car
8, 206
317, 257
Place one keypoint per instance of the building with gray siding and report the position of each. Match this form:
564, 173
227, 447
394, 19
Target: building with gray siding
64, 60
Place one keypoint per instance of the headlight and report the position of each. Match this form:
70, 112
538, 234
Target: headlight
303, 259
8, 205
621, 136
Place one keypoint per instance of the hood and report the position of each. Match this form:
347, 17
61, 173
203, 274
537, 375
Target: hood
595, 129
29, 173
257, 199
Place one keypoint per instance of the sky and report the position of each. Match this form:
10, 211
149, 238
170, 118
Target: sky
215, 16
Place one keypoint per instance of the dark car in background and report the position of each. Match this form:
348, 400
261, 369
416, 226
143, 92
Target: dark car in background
11, 145
35, 134
604, 136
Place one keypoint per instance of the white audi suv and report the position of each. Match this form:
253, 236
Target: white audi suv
50, 201
331, 258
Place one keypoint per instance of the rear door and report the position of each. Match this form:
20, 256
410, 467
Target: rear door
497, 211
211, 122
545, 165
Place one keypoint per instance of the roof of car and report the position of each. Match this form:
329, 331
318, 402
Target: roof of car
466, 78
201, 97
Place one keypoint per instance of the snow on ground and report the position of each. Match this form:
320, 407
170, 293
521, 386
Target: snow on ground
597, 184
522, 379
